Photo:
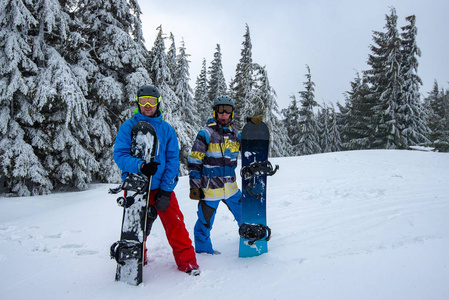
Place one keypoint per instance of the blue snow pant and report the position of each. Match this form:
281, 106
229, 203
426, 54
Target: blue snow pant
206, 217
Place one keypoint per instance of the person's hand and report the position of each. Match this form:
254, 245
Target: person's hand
149, 169
196, 194
162, 200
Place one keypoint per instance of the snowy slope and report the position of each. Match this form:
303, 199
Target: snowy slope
348, 225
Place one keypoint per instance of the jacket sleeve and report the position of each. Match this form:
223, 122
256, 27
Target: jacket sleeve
122, 151
170, 176
196, 157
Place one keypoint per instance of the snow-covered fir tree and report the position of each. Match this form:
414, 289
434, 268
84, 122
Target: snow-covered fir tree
292, 125
330, 140
201, 100
47, 126
265, 105
359, 126
113, 38
177, 99
171, 60
387, 83
186, 113
216, 84
162, 77
21, 167
334, 131
342, 119
411, 111
241, 86
182, 88
309, 142
437, 106
323, 127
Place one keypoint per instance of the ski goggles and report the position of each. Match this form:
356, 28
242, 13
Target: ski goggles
224, 109
148, 100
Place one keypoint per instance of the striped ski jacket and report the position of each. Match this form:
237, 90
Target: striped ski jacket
213, 160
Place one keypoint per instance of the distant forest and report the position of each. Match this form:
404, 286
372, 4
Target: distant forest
69, 72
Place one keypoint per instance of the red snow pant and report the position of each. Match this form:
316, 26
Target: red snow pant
177, 235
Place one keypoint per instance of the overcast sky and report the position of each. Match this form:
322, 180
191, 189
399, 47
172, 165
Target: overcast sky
332, 37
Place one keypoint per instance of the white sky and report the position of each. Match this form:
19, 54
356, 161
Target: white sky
332, 37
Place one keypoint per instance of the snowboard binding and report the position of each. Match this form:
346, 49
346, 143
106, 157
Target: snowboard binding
125, 201
254, 232
134, 183
256, 169
122, 251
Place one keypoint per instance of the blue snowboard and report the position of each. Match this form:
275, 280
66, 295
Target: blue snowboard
254, 232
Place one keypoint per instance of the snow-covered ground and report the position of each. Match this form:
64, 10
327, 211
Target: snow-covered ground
348, 225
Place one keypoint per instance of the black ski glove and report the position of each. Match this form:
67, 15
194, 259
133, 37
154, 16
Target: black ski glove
196, 194
162, 200
149, 169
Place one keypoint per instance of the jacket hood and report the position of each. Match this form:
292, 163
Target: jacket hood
211, 121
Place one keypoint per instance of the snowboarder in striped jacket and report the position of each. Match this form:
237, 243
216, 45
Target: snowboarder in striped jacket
212, 163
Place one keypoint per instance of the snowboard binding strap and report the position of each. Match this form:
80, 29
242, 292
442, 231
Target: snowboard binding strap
125, 201
124, 250
256, 169
254, 232
133, 182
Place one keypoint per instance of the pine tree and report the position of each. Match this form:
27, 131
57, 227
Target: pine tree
309, 142
291, 123
162, 78
386, 85
177, 99
200, 98
182, 88
437, 105
242, 85
46, 126
359, 127
20, 166
432, 104
216, 85
411, 110
323, 126
265, 105
342, 119
172, 60
186, 114
334, 131
113, 38
330, 140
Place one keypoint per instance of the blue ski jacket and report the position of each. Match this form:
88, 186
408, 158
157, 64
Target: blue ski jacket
167, 152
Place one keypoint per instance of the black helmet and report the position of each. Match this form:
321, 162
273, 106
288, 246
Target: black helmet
223, 100
148, 90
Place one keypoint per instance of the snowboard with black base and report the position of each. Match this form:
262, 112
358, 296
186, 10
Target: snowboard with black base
254, 232
138, 215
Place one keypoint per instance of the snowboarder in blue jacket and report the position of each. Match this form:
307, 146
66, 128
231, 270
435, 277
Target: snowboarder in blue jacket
164, 171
